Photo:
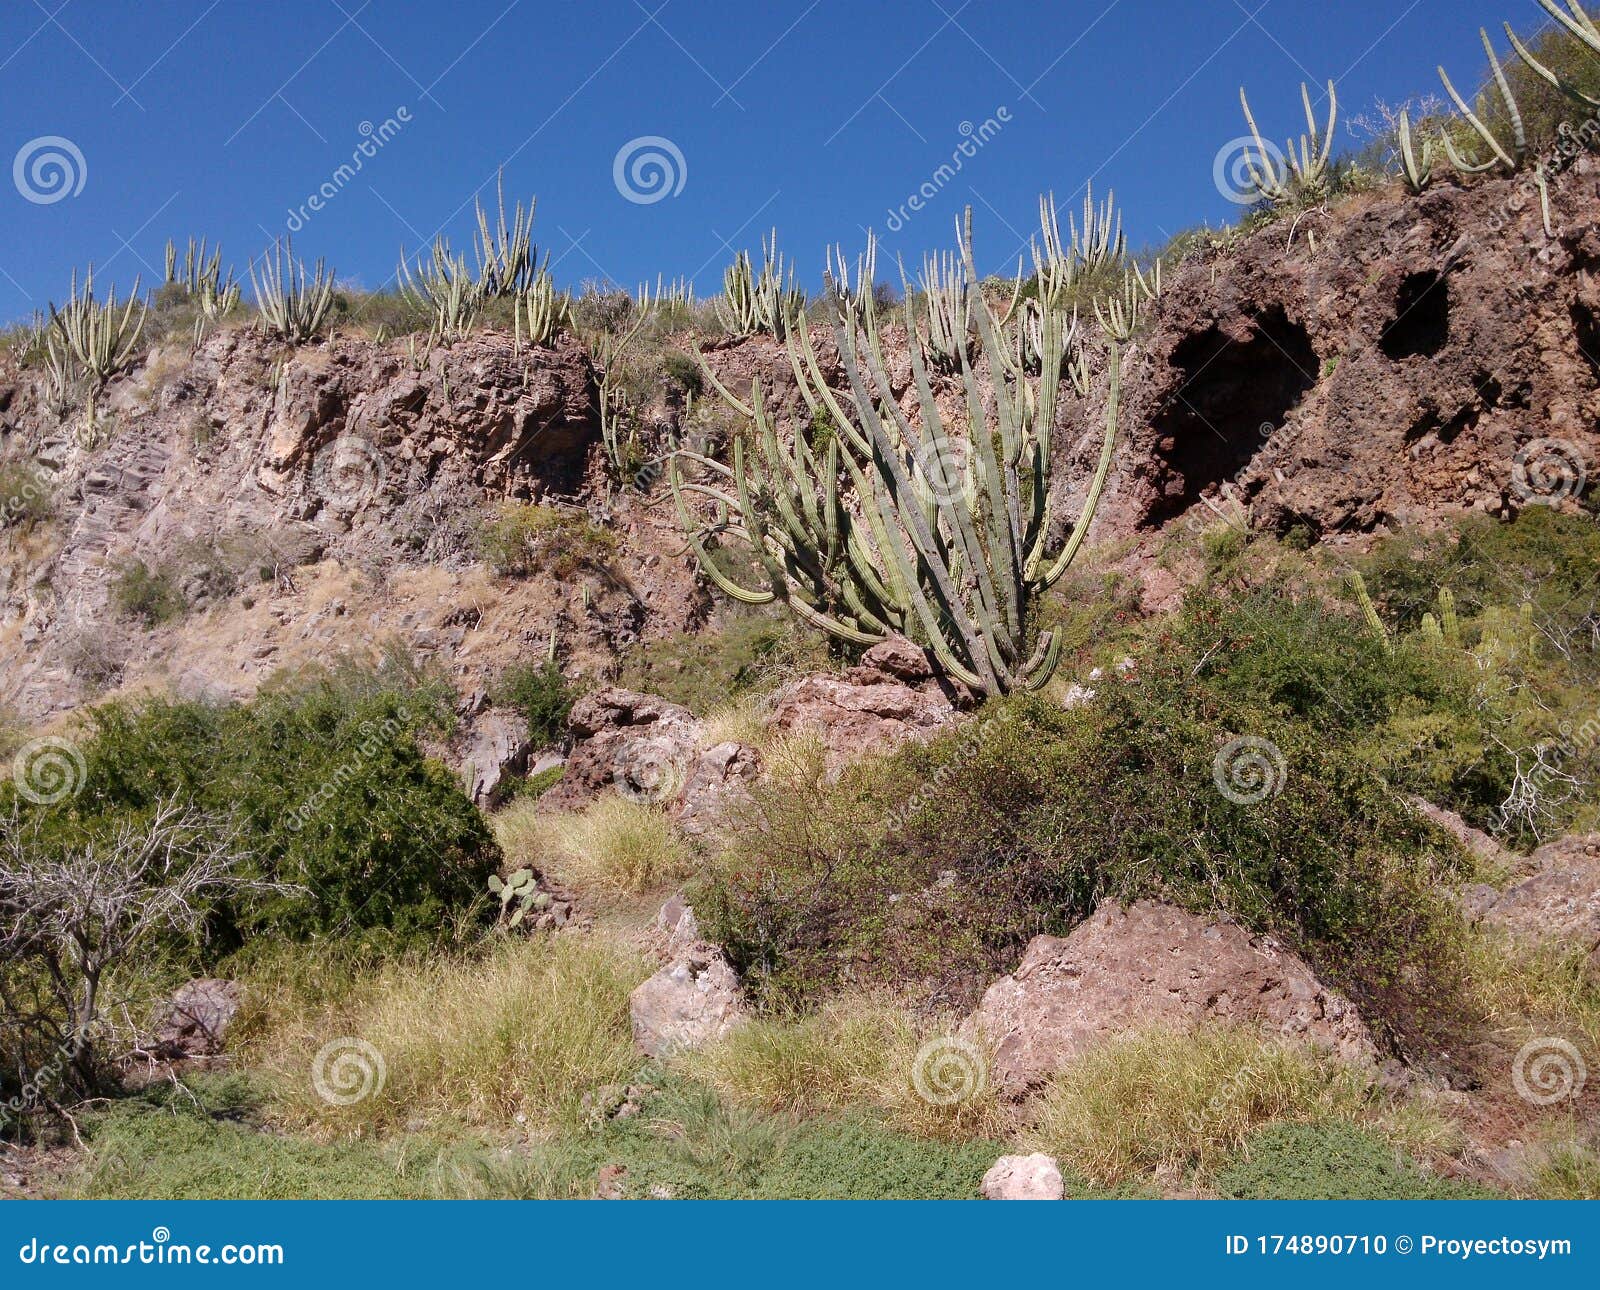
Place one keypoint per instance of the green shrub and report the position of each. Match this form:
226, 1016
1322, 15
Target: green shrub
542, 695
1332, 1160
150, 595
24, 495
517, 539
325, 777
939, 863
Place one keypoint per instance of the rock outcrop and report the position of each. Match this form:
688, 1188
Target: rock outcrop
690, 1002
197, 1019
891, 697
1560, 901
1152, 966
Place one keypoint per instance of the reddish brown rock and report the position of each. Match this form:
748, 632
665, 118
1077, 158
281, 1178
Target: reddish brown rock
1152, 966
1560, 901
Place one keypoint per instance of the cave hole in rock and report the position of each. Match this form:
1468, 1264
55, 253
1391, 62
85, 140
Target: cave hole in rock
1421, 323
1233, 395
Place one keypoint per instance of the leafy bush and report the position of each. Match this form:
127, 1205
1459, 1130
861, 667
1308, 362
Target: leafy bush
542, 695
517, 539
1331, 1160
939, 863
24, 495
150, 595
324, 776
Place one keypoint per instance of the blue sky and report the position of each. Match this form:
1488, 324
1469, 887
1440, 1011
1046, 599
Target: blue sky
223, 117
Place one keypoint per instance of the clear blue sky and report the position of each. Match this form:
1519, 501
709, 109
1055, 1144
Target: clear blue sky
223, 116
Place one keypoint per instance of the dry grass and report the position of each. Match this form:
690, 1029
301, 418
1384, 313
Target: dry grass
741, 720
521, 1031
1177, 1105
854, 1052
1525, 991
614, 847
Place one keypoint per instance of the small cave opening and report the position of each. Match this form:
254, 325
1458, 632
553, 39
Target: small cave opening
1234, 394
1421, 324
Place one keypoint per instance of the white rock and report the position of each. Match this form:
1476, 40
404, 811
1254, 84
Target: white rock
1035, 1177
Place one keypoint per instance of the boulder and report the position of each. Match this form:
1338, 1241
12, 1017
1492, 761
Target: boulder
197, 1019
1560, 901
690, 1002
639, 744
891, 697
716, 779
1035, 1177
497, 747
679, 928
1147, 966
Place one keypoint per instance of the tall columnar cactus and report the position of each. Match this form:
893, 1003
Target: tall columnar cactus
1581, 28
90, 338
540, 310
905, 523
943, 283
200, 277
508, 261
752, 303
1417, 167
852, 293
446, 288
1499, 156
1304, 169
294, 305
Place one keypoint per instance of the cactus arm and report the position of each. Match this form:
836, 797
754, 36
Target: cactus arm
1091, 503
1546, 74
1483, 132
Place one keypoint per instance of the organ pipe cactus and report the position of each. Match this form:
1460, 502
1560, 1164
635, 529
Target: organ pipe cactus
446, 287
941, 530
1498, 155
943, 284
1417, 167
201, 278
855, 303
1581, 28
508, 261
1304, 168
92, 338
539, 311
294, 305
765, 303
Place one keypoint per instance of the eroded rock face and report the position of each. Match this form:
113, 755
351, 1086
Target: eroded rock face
1559, 902
890, 698
1035, 1177
690, 1002
1152, 966
498, 746
639, 744
1384, 366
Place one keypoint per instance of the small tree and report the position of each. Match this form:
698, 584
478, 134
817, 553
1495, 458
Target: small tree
78, 911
